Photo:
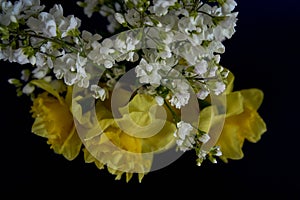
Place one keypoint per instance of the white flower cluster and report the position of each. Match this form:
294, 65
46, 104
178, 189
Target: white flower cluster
185, 136
47, 40
188, 137
174, 47
201, 26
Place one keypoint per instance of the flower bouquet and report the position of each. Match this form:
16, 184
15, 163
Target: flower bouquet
142, 93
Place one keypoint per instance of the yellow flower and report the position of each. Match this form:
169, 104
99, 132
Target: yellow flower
242, 121
127, 144
54, 121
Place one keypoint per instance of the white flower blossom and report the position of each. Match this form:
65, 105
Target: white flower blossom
106, 11
185, 136
195, 28
125, 47
213, 70
30, 8
228, 6
98, 92
64, 24
43, 65
19, 57
148, 72
9, 12
204, 138
57, 12
49, 48
201, 156
25, 75
161, 7
14, 55
45, 24
218, 151
181, 95
168, 22
89, 38
28, 89
71, 68
89, 6
192, 54
101, 53
226, 28
133, 17
203, 93
218, 87
120, 18
5, 53
113, 24
159, 100
201, 67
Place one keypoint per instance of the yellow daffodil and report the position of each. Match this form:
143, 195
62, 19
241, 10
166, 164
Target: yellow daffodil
54, 121
126, 144
242, 121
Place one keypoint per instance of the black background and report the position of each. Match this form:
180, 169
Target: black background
263, 53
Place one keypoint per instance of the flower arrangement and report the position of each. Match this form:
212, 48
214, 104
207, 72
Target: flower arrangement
135, 100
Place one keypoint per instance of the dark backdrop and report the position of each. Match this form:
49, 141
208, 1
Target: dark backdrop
263, 53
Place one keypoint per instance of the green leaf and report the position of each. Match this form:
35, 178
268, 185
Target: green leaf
28, 51
47, 87
4, 33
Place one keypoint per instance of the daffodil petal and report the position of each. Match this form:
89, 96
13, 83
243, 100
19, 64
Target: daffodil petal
253, 125
53, 120
231, 143
252, 98
139, 103
71, 146
241, 125
205, 119
156, 143
118, 149
234, 104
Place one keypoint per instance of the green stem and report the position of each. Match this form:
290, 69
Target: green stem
57, 41
175, 116
200, 11
64, 44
